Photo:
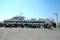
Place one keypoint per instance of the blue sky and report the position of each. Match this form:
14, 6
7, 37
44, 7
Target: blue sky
29, 8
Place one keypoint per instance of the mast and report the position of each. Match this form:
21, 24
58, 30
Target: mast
21, 14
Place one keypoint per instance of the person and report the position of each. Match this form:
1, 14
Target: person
46, 25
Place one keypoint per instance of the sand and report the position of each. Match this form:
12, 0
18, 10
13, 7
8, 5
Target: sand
29, 34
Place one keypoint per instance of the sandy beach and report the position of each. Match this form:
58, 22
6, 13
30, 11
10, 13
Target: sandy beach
29, 34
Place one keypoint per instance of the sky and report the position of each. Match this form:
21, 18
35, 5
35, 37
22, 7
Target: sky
29, 8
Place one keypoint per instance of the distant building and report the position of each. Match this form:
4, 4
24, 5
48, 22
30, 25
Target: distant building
59, 24
20, 21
